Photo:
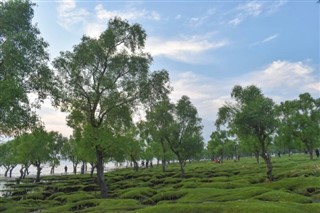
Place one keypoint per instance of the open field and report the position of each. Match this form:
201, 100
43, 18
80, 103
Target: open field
207, 187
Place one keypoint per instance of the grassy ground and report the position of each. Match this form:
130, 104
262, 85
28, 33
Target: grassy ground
207, 187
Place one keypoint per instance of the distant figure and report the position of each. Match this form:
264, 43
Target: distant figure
279, 154
142, 163
317, 152
65, 169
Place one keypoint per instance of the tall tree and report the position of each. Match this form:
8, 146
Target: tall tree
104, 79
253, 115
285, 140
23, 67
184, 134
159, 117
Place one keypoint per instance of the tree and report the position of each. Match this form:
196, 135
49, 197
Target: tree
158, 119
23, 67
134, 146
284, 140
217, 144
71, 151
104, 79
37, 147
8, 156
184, 134
302, 118
55, 147
252, 115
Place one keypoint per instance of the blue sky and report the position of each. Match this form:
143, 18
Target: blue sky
207, 46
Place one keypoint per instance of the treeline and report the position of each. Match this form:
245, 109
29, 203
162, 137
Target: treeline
102, 83
253, 123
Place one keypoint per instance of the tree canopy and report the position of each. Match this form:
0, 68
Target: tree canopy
23, 67
252, 115
104, 79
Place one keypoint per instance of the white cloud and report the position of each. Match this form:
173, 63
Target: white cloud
69, 15
265, 40
102, 16
129, 14
235, 21
282, 76
254, 9
183, 49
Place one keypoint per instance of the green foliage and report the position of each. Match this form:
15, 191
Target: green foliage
300, 121
23, 67
100, 83
253, 115
207, 187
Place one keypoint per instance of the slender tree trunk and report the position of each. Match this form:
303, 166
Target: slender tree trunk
256, 155
268, 163
100, 174
21, 173
38, 173
135, 163
75, 168
181, 162
7, 170
92, 170
26, 171
310, 150
12, 167
52, 169
93, 166
163, 155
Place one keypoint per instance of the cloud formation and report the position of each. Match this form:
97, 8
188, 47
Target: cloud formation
187, 50
70, 15
280, 80
254, 9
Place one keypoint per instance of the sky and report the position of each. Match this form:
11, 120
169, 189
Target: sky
207, 47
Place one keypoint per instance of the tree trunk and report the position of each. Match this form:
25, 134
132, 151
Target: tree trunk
268, 163
182, 168
38, 173
163, 165
75, 168
135, 163
21, 173
52, 169
26, 171
7, 170
256, 155
93, 166
100, 174
310, 150
12, 167
163, 155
